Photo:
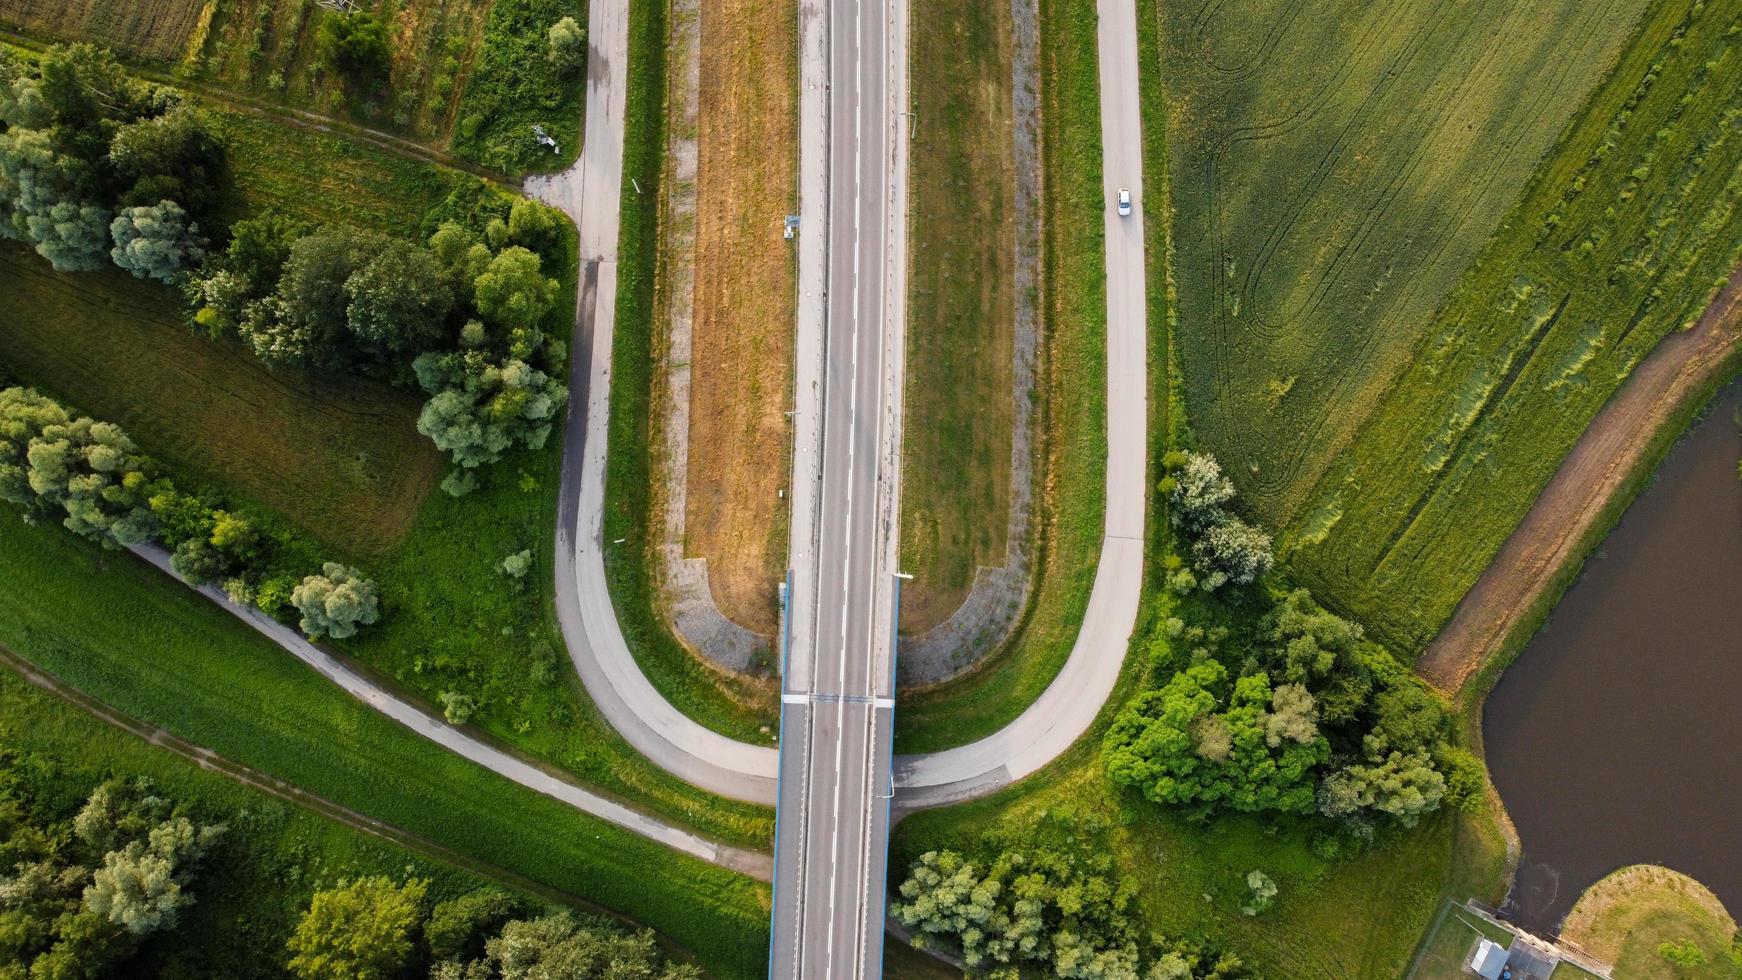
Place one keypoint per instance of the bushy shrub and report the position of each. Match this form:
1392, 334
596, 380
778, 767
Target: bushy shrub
336, 602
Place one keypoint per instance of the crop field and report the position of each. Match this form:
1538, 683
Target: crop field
1335, 168
268, 47
955, 471
127, 635
352, 470
740, 444
158, 30
1622, 237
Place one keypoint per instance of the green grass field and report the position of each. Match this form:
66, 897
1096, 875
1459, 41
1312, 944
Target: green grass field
322, 176
1335, 168
1625, 919
1621, 238
249, 894
131, 637
955, 469
1073, 410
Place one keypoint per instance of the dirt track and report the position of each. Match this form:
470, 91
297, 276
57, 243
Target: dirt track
1600, 465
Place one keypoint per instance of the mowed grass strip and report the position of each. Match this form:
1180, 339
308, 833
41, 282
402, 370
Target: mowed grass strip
955, 469
155, 29
1336, 167
741, 362
129, 636
342, 459
1623, 237
1073, 410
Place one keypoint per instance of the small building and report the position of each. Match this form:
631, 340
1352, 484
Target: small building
1488, 959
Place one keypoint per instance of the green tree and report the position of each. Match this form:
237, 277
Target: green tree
354, 44
1177, 749
24, 414
336, 602
93, 472
172, 156
73, 237
399, 300
568, 44
1200, 494
143, 886
457, 928
1234, 551
513, 295
1404, 785
533, 225
308, 320
360, 930
155, 241
478, 409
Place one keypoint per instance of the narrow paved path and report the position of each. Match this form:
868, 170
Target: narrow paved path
1602, 463
463, 743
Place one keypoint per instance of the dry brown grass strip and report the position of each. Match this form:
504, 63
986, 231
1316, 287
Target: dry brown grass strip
740, 446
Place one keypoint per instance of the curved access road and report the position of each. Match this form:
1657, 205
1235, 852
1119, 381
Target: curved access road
629, 702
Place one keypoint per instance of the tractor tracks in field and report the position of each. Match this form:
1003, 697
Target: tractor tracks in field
1576, 505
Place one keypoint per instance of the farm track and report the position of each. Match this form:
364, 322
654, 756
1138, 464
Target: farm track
1603, 464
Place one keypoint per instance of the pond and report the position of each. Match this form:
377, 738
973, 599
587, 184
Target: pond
1615, 737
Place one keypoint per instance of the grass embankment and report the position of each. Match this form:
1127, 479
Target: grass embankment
249, 893
154, 29
956, 434
1621, 238
119, 349
1626, 917
131, 637
741, 360
629, 529
1073, 413
1335, 169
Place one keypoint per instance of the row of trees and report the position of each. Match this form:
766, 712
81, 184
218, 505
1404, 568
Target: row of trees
97, 167
76, 900
54, 463
374, 929
1271, 702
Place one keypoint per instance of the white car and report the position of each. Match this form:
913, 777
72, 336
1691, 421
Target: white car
1124, 201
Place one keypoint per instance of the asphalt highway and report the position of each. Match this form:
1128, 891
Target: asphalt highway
839, 682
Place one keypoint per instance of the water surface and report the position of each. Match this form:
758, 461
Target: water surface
1616, 738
